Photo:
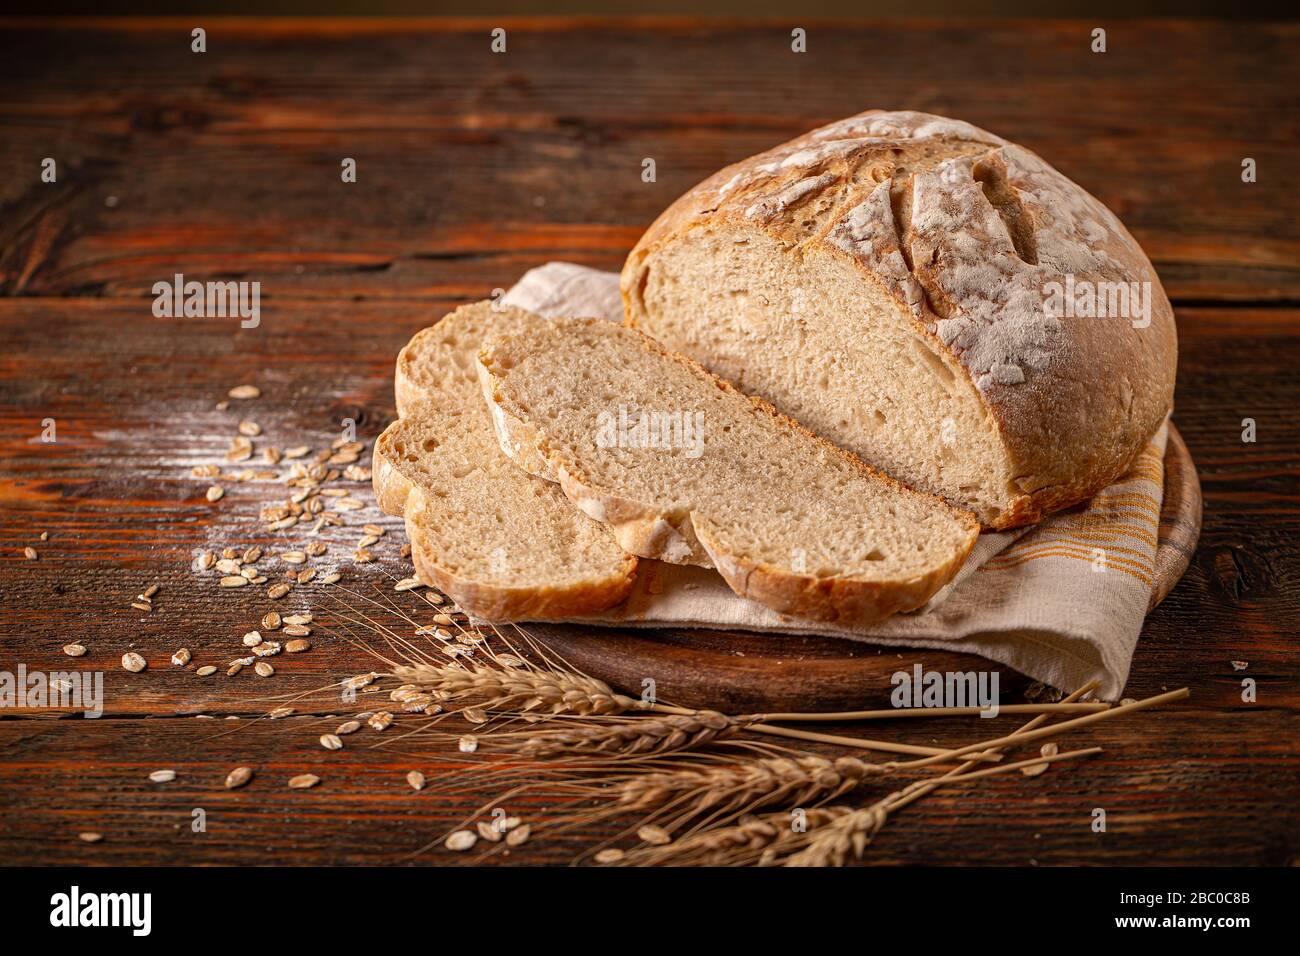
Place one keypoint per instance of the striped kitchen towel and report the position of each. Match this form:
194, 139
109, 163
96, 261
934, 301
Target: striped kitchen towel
1062, 602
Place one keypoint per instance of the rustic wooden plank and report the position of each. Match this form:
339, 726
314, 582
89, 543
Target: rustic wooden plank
1178, 787
551, 136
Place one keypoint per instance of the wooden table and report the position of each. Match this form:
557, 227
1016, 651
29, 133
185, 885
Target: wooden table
473, 167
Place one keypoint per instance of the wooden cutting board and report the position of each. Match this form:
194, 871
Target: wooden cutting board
742, 671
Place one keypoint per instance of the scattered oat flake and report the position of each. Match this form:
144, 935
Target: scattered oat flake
163, 776
297, 646
407, 584
609, 855
1239, 665
30, 554
331, 578
282, 711
251, 429
277, 591
90, 837
45, 536
133, 662
415, 779
252, 639
1048, 749
655, 836
374, 529
489, 831
207, 670
331, 742
263, 669
518, 835
74, 650
145, 606
475, 715
245, 391
461, 840
233, 581
381, 721
238, 777
296, 630
442, 619
271, 621
181, 657
304, 781
301, 617
468, 744
215, 492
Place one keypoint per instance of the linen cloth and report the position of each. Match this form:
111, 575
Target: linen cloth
1062, 602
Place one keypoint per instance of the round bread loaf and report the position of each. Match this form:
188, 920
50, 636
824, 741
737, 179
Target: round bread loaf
935, 299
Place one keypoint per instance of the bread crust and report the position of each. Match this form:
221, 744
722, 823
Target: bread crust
686, 538
1075, 400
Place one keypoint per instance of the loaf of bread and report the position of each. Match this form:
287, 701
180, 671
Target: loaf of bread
684, 468
927, 295
503, 544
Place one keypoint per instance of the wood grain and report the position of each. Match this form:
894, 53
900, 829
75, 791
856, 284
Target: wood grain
473, 169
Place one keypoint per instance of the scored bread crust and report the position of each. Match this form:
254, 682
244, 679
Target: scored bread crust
686, 538
1075, 401
419, 379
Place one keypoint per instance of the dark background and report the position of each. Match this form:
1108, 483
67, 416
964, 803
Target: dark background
1085, 9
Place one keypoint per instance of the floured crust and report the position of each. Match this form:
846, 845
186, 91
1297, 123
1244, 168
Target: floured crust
686, 538
988, 226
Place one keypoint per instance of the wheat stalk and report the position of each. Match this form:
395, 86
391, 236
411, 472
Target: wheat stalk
849, 835
518, 689
726, 790
639, 736
764, 833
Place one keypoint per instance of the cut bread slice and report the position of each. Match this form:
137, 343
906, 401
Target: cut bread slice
503, 544
685, 468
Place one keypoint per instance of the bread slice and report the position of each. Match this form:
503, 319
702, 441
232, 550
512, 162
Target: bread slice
896, 281
503, 544
685, 468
